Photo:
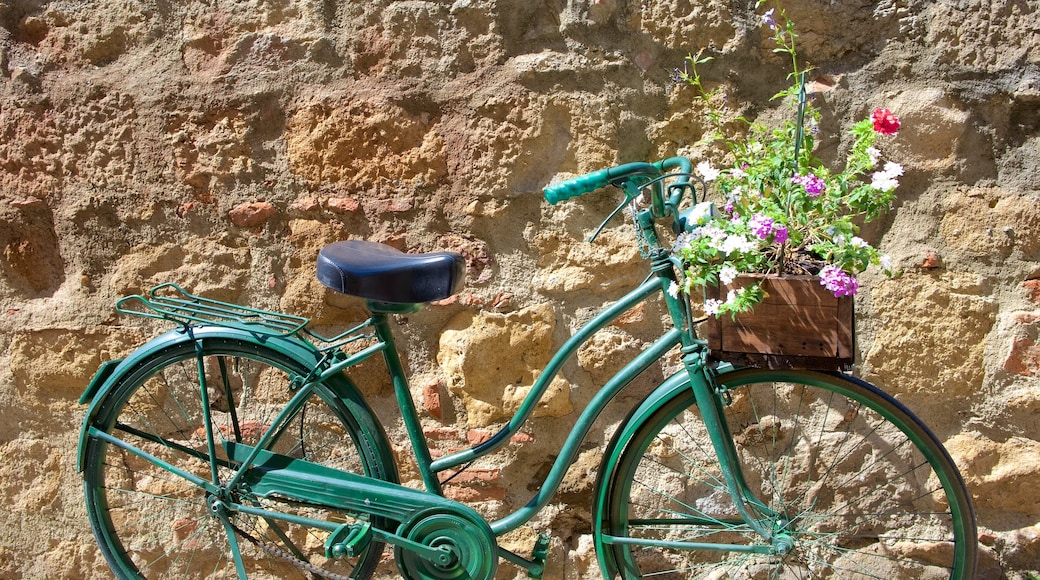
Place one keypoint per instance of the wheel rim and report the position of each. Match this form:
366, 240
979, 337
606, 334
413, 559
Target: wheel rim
864, 502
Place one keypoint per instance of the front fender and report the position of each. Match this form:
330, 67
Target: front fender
680, 381
112, 373
673, 385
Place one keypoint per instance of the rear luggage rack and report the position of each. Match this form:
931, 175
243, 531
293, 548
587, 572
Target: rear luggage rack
171, 302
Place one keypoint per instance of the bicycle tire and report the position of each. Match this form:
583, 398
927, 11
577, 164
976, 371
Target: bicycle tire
151, 524
858, 486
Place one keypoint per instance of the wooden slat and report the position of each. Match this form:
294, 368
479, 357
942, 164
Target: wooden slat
799, 324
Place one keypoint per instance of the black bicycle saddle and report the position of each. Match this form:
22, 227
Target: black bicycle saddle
379, 272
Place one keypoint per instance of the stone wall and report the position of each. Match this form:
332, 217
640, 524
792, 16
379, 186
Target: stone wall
221, 143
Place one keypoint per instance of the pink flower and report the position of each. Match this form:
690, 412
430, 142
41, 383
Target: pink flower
813, 185
885, 122
761, 225
838, 281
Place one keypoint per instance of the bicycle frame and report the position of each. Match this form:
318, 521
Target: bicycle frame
680, 334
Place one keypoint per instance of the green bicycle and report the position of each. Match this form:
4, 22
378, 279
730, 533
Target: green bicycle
235, 445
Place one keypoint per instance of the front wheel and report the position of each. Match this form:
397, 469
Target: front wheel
156, 466
845, 482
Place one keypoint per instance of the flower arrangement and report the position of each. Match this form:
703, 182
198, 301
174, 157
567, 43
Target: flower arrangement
783, 211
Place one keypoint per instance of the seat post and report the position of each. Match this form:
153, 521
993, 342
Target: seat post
379, 307
381, 312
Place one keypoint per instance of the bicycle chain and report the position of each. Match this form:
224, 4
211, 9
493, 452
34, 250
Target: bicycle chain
278, 552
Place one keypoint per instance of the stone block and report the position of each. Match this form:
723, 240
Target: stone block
491, 360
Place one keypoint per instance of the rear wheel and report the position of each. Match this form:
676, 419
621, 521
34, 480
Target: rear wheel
153, 523
850, 485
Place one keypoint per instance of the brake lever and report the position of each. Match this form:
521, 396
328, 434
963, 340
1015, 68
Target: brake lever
612, 215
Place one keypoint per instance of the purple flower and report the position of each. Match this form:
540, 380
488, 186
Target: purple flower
838, 281
761, 225
813, 185
769, 20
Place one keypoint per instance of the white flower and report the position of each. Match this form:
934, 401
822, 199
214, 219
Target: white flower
727, 274
715, 235
874, 155
839, 240
737, 173
885, 180
673, 290
858, 242
736, 243
711, 306
731, 297
683, 241
708, 172
886, 263
769, 20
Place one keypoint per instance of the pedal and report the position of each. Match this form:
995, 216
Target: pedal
348, 540
538, 555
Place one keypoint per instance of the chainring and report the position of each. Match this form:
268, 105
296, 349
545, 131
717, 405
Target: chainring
471, 544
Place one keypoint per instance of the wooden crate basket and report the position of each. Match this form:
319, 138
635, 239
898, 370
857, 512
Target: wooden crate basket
800, 324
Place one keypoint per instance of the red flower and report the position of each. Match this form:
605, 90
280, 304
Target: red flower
885, 122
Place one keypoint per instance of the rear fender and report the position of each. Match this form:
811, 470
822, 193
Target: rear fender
112, 373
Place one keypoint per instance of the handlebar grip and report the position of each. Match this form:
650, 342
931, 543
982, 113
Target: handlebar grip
577, 186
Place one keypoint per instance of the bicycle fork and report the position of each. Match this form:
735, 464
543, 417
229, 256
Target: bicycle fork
710, 402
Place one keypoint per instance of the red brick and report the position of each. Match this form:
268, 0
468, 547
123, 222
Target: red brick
432, 401
306, 204
931, 260
502, 300
472, 494
30, 201
399, 241
477, 436
343, 205
251, 214
478, 474
447, 301
521, 438
395, 205
1033, 288
1026, 318
1024, 358
634, 316
471, 299
442, 433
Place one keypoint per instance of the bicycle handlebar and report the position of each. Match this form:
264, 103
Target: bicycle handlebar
592, 181
632, 177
